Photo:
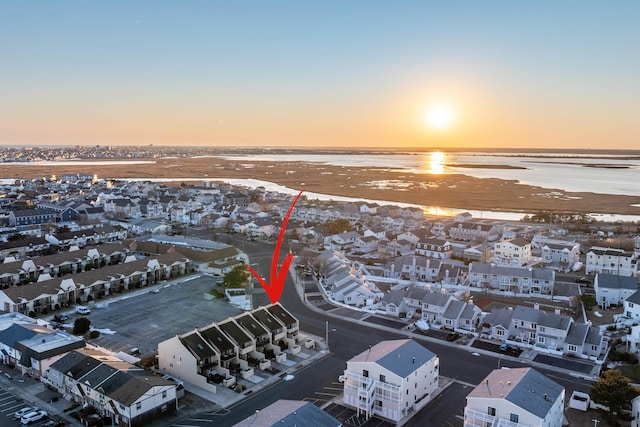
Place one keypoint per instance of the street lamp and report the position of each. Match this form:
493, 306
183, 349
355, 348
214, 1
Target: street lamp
326, 334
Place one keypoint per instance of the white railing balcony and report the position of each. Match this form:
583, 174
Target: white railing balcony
473, 418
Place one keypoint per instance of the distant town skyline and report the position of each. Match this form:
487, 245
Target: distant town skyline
321, 74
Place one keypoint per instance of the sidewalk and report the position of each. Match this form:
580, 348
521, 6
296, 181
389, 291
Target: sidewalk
36, 393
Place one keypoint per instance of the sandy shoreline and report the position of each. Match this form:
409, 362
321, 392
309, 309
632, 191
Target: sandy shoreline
451, 191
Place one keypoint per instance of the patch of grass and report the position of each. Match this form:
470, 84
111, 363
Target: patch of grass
216, 293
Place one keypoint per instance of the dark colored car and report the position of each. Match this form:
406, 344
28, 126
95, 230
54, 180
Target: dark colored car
583, 281
453, 336
60, 317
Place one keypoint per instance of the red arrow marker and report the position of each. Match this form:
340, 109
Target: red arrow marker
274, 290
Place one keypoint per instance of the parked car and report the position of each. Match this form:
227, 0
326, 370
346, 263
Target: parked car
22, 412
32, 417
60, 317
504, 346
341, 378
53, 423
82, 310
583, 281
453, 336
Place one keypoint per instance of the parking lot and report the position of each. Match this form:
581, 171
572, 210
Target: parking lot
142, 319
10, 403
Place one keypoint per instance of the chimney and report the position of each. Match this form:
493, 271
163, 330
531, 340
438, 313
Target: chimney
545, 396
413, 360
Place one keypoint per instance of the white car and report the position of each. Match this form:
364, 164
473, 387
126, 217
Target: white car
32, 417
22, 412
82, 310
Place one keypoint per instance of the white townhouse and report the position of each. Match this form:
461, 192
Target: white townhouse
555, 333
561, 255
515, 252
391, 379
632, 306
611, 261
124, 393
612, 289
521, 397
474, 232
434, 248
511, 279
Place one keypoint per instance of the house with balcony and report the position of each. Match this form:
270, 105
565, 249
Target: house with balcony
262, 338
561, 255
553, 333
244, 342
513, 252
391, 380
613, 289
611, 261
511, 279
521, 397
127, 395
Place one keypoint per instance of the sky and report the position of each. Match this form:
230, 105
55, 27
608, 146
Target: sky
326, 73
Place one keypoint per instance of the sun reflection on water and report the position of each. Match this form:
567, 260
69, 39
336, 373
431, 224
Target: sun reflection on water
436, 163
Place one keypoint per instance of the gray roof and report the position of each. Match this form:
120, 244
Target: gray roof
542, 318
499, 316
525, 388
594, 336
529, 393
577, 334
401, 357
15, 333
435, 298
454, 309
395, 297
635, 298
613, 281
290, 413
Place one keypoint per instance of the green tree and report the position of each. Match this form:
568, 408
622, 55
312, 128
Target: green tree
81, 325
237, 277
589, 301
613, 390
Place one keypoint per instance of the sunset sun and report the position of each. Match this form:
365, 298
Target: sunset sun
440, 117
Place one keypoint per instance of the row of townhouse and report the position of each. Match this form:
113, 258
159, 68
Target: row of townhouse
419, 269
436, 309
613, 261
123, 393
205, 256
345, 281
50, 294
556, 333
31, 345
213, 355
531, 280
60, 264
390, 216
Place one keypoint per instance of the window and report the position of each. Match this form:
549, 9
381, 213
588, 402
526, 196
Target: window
383, 379
139, 405
513, 418
542, 329
491, 411
365, 373
572, 347
164, 394
541, 340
